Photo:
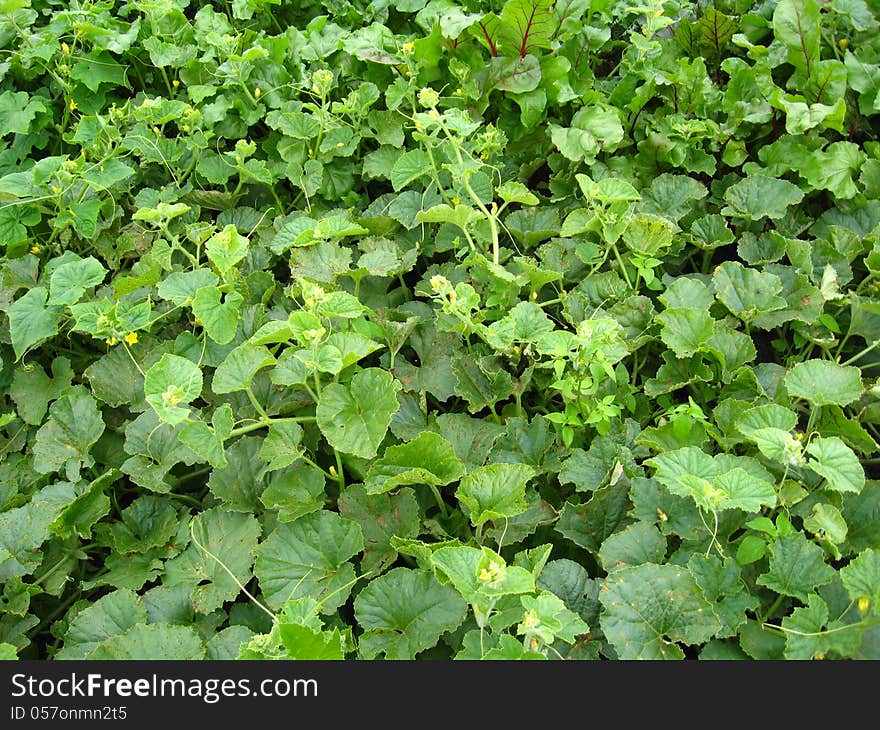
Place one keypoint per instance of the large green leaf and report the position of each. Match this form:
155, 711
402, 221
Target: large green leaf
381, 517
218, 561
309, 557
836, 461
494, 491
107, 618
714, 483
760, 196
404, 612
810, 634
238, 369
66, 439
747, 292
70, 280
152, 642
31, 321
861, 578
686, 331
295, 492
355, 417
822, 382
226, 248
797, 567
651, 609
427, 459
589, 525
218, 312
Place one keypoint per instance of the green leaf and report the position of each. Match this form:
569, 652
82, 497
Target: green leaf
651, 609
153, 642
861, 578
226, 248
97, 68
309, 557
760, 196
218, 561
282, 445
637, 544
836, 461
747, 292
797, 567
494, 491
304, 643
810, 635
70, 280
822, 382
411, 165
24, 529
107, 618
296, 492
381, 517
74, 425
149, 521
89, 506
548, 618
180, 287
33, 390
714, 483
17, 111
589, 525
427, 459
481, 381
481, 577
355, 417
797, 24
572, 583
722, 585
207, 442
219, 318
686, 331
240, 483
238, 369
170, 384
405, 612
31, 321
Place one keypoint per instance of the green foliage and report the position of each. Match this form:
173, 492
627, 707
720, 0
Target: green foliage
513, 330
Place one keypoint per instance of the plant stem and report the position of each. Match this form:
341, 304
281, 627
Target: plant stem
440, 501
340, 474
256, 404
262, 423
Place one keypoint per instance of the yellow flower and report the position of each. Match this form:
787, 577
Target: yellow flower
64, 47
459, 91
332, 471
175, 83
409, 47
112, 341
73, 105
131, 338
864, 604
257, 93
456, 201
35, 249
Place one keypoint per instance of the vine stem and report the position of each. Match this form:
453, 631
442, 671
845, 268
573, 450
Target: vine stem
265, 422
